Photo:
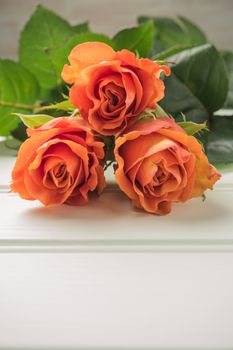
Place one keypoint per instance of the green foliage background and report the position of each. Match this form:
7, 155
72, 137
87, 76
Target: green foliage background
200, 85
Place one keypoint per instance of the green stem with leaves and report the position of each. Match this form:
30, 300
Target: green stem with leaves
22, 106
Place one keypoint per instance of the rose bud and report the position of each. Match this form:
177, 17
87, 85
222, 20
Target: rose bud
59, 163
158, 164
111, 88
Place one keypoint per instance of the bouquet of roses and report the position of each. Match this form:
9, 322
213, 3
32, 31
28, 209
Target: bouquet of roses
115, 118
140, 101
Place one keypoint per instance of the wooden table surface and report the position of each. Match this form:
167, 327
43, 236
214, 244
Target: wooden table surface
105, 276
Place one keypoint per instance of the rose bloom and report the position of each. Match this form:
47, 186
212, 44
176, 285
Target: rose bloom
111, 88
158, 164
59, 163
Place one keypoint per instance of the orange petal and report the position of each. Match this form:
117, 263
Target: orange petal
206, 174
142, 147
69, 74
122, 180
101, 179
149, 126
90, 53
27, 151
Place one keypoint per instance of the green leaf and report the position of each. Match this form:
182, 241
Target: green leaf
169, 52
43, 30
194, 33
169, 32
66, 105
220, 140
20, 132
34, 120
224, 167
81, 28
192, 128
19, 91
203, 71
228, 60
179, 99
138, 39
58, 56
160, 112
198, 84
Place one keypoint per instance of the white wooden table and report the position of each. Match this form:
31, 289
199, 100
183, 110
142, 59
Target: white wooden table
105, 276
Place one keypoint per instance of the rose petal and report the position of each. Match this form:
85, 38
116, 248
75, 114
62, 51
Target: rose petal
87, 54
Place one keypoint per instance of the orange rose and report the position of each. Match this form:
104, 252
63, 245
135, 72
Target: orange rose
59, 163
158, 163
112, 88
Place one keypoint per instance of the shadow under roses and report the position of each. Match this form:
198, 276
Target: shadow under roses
113, 207
111, 204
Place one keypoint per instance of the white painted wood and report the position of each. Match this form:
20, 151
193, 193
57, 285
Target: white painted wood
105, 276
116, 301
110, 222
7, 159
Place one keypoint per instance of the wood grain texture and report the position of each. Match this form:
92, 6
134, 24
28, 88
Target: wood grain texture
106, 301
109, 223
107, 277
